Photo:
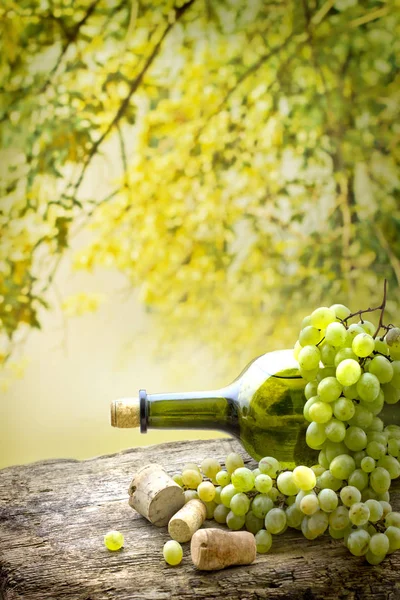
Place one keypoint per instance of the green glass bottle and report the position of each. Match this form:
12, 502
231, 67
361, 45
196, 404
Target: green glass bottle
263, 408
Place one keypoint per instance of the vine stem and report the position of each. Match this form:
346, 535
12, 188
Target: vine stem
382, 307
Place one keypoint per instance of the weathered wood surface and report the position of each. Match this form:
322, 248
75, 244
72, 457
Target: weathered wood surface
53, 516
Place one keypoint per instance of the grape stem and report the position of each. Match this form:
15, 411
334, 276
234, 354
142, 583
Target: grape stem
381, 307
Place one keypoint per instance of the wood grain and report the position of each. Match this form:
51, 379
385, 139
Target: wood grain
53, 515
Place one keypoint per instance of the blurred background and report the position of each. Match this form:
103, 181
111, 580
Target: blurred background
181, 182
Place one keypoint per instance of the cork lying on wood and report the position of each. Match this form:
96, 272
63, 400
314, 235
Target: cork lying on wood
54, 514
213, 549
187, 521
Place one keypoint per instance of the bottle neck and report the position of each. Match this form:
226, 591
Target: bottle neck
215, 409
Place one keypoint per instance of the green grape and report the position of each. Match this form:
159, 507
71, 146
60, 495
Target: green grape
305, 531
273, 494
263, 541
382, 368
342, 466
223, 478
350, 392
348, 372
363, 345
328, 500
395, 381
290, 500
393, 447
379, 480
339, 519
311, 389
323, 461
210, 508
358, 456
307, 406
309, 358
328, 481
310, 336
173, 553
339, 534
381, 346
113, 540
367, 326
393, 518
359, 513
329, 389
368, 494
256, 472
320, 412
318, 470
368, 464
275, 521
210, 467
393, 535
261, 505
393, 431
385, 496
333, 449
309, 504
294, 516
355, 438
354, 330
349, 495
315, 435
286, 484
358, 542
341, 311
243, 479
362, 417
391, 393
190, 495
206, 491
373, 559
375, 510
336, 335
235, 522
386, 508
304, 478
240, 504
296, 350
358, 479
344, 409
220, 513
321, 317
391, 465
227, 494
306, 322
233, 461
217, 497
376, 406
178, 479
191, 467
253, 523
376, 450
269, 466
368, 387
318, 523
343, 354
263, 483
392, 338
377, 436
325, 372
309, 375
376, 425
328, 354
191, 478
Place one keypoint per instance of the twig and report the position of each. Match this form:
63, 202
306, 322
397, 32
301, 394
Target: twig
367, 310
382, 309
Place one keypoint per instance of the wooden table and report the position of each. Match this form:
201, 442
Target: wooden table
53, 515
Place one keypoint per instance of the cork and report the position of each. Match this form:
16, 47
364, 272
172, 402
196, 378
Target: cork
155, 495
213, 549
187, 521
125, 412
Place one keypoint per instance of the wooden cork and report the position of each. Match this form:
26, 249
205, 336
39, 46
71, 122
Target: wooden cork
214, 549
155, 495
125, 413
187, 521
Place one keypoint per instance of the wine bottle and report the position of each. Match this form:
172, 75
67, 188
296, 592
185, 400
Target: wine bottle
263, 408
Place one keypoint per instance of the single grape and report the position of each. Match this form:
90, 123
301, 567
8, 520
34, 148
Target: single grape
306, 322
359, 513
362, 417
178, 479
358, 542
294, 516
358, 456
210, 468
318, 470
368, 387
376, 450
349, 495
376, 406
392, 338
350, 392
220, 513
328, 354
386, 508
325, 372
261, 505
191, 478
269, 466
329, 389
334, 449
235, 522
320, 412
328, 500
341, 311
210, 508
393, 535
323, 461
368, 464
339, 534
379, 480
315, 435
240, 504
309, 504
339, 518
318, 523
309, 358
363, 345
227, 494
342, 466
343, 409
321, 317
310, 336
394, 447
395, 381
353, 330
368, 494
348, 372
393, 518
263, 541
382, 368
190, 495
305, 530
243, 479
307, 406
343, 354
296, 350
253, 523
304, 478
217, 497
263, 483
311, 389
233, 461
391, 393
275, 521
286, 484
367, 326
328, 481
377, 425
206, 491
375, 510
223, 478
358, 479
336, 334
172, 552
309, 374
191, 467
274, 494
355, 439
113, 540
